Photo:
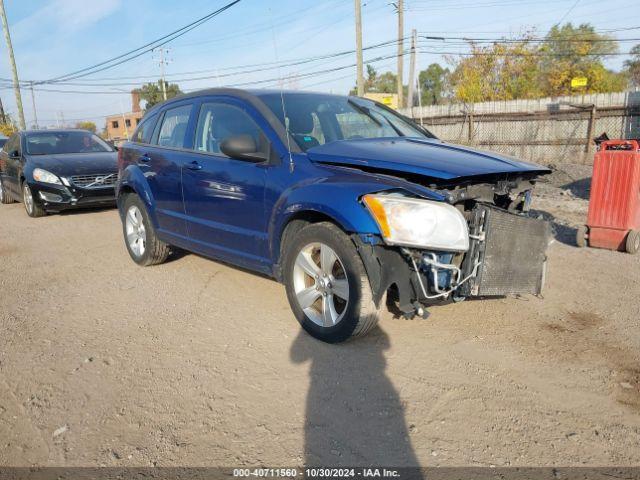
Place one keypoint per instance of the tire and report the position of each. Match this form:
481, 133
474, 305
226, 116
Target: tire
312, 250
143, 245
5, 195
581, 236
633, 242
31, 205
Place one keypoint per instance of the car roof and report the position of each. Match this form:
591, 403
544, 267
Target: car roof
250, 96
56, 130
247, 94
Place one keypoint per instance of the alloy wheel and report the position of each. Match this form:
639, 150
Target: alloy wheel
136, 233
28, 198
320, 284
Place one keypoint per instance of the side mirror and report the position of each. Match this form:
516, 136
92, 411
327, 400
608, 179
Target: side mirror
242, 147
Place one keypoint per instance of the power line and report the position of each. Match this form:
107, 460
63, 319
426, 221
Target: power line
137, 52
525, 39
528, 54
267, 66
567, 13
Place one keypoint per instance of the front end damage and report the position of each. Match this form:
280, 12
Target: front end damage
506, 254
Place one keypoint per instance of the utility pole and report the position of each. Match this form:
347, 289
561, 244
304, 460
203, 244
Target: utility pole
12, 61
400, 7
33, 102
163, 62
412, 69
3, 118
360, 77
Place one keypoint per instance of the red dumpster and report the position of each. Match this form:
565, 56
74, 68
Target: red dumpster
613, 220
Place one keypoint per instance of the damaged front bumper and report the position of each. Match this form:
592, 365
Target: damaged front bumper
507, 255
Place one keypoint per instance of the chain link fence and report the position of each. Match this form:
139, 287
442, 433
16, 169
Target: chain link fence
548, 130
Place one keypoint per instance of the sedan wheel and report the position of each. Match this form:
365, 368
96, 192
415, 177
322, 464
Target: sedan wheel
136, 233
320, 283
28, 199
30, 205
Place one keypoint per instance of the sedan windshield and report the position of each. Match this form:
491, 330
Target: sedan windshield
318, 119
50, 143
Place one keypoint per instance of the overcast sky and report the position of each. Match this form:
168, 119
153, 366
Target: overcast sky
55, 37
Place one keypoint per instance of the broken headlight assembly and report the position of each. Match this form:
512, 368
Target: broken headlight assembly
414, 222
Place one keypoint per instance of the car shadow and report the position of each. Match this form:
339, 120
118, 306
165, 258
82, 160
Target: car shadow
354, 415
579, 188
561, 232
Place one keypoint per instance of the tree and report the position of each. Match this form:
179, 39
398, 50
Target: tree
501, 71
86, 125
8, 127
434, 84
152, 92
632, 66
385, 83
531, 68
569, 52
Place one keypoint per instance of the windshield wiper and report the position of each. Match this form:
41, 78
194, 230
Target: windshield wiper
396, 129
365, 111
368, 113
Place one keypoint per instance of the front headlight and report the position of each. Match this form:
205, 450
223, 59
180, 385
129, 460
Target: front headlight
40, 175
419, 223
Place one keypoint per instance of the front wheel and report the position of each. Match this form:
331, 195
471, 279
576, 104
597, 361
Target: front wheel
33, 208
327, 286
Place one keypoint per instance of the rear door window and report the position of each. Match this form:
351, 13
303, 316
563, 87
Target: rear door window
174, 127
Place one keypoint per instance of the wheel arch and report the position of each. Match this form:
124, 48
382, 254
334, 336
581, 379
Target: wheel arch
132, 181
294, 223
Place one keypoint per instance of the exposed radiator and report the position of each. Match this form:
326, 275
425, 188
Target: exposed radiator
513, 255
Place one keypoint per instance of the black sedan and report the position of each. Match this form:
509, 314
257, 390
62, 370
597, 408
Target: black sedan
54, 170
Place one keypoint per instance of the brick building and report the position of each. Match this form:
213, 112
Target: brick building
120, 126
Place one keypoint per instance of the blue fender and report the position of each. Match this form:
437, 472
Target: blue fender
337, 196
337, 199
133, 178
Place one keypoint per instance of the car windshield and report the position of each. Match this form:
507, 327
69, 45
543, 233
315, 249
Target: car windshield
49, 143
318, 119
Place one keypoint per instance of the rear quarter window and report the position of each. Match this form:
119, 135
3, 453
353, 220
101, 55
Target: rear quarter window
174, 127
144, 132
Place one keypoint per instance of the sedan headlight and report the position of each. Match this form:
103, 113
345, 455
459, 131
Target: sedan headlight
419, 223
40, 175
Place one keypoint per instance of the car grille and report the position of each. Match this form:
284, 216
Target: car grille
95, 181
514, 257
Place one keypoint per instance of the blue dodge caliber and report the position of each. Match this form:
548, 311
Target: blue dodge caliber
349, 204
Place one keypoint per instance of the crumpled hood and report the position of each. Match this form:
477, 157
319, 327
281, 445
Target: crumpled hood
428, 157
66, 165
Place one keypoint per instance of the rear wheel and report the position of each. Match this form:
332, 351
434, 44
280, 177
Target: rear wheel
5, 196
633, 241
581, 236
33, 208
143, 245
327, 285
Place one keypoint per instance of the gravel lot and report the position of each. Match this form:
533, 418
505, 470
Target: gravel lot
198, 363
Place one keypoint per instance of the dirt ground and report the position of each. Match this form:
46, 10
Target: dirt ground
198, 363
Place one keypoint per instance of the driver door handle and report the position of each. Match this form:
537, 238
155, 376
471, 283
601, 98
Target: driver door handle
194, 166
144, 158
